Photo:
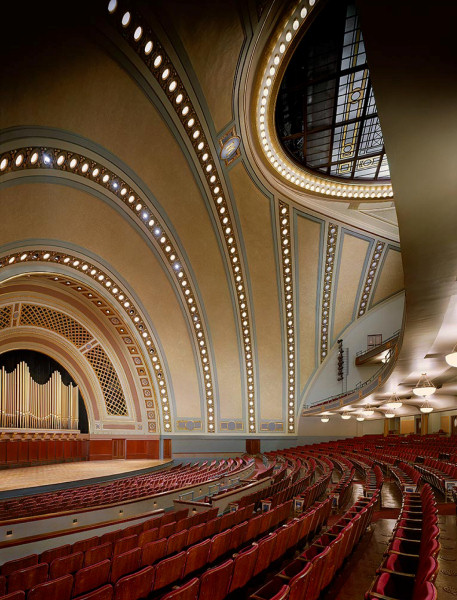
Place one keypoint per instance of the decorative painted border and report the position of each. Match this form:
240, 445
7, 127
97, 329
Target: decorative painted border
330, 253
279, 47
90, 271
287, 259
371, 275
146, 45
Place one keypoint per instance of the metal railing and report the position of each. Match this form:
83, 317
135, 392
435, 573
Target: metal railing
361, 389
389, 339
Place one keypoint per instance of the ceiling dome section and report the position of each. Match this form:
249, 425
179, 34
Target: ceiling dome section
326, 116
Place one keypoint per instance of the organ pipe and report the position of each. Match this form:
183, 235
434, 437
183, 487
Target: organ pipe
24, 403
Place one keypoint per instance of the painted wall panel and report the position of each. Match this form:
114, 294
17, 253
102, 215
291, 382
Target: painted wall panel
352, 258
308, 243
390, 279
255, 217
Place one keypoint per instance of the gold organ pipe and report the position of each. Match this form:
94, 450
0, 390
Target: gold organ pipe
27, 404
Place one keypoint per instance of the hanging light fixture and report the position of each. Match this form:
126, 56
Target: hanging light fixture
424, 386
451, 358
360, 418
426, 408
389, 415
368, 411
394, 402
345, 416
325, 419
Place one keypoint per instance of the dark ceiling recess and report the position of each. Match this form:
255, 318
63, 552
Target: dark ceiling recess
326, 116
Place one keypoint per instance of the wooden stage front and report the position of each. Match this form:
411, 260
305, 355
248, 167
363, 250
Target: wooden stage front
43, 478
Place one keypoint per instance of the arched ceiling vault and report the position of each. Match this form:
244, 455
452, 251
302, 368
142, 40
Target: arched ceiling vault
242, 283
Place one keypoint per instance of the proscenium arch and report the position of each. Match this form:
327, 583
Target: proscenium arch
152, 362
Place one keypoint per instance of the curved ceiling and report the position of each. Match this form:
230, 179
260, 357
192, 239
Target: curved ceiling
111, 130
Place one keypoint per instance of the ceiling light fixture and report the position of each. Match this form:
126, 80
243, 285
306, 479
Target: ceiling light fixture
451, 358
368, 411
325, 419
345, 416
424, 387
360, 419
389, 415
426, 408
394, 402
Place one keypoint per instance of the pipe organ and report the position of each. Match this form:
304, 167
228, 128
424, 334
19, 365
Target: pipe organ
27, 404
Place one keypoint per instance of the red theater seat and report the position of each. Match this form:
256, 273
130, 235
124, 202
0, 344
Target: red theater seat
19, 563
266, 547
136, 586
220, 544
148, 536
124, 564
83, 545
195, 534
103, 593
169, 571
49, 555
214, 583
27, 578
243, 567
97, 554
125, 544
274, 590
66, 564
19, 595
92, 577
177, 541
188, 591
153, 552
196, 557
56, 589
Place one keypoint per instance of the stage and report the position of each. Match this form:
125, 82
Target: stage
25, 481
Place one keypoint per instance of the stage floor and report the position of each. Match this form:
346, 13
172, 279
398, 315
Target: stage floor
65, 473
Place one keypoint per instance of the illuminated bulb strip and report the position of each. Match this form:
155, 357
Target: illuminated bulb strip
181, 104
368, 285
278, 44
126, 305
332, 237
147, 217
288, 299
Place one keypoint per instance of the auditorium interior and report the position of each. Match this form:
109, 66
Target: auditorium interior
228, 300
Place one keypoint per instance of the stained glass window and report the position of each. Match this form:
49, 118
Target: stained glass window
326, 115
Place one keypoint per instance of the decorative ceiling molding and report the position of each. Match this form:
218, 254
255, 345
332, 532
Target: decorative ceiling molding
287, 271
278, 49
145, 43
327, 287
370, 277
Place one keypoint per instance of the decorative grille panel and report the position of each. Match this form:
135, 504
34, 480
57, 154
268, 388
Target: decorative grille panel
5, 316
112, 390
41, 316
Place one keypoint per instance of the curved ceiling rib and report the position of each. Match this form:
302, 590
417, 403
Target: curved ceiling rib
145, 43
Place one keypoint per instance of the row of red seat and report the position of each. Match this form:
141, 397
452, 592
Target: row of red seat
309, 574
119, 490
148, 563
410, 565
437, 472
235, 573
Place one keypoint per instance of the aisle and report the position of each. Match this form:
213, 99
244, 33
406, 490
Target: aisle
356, 576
